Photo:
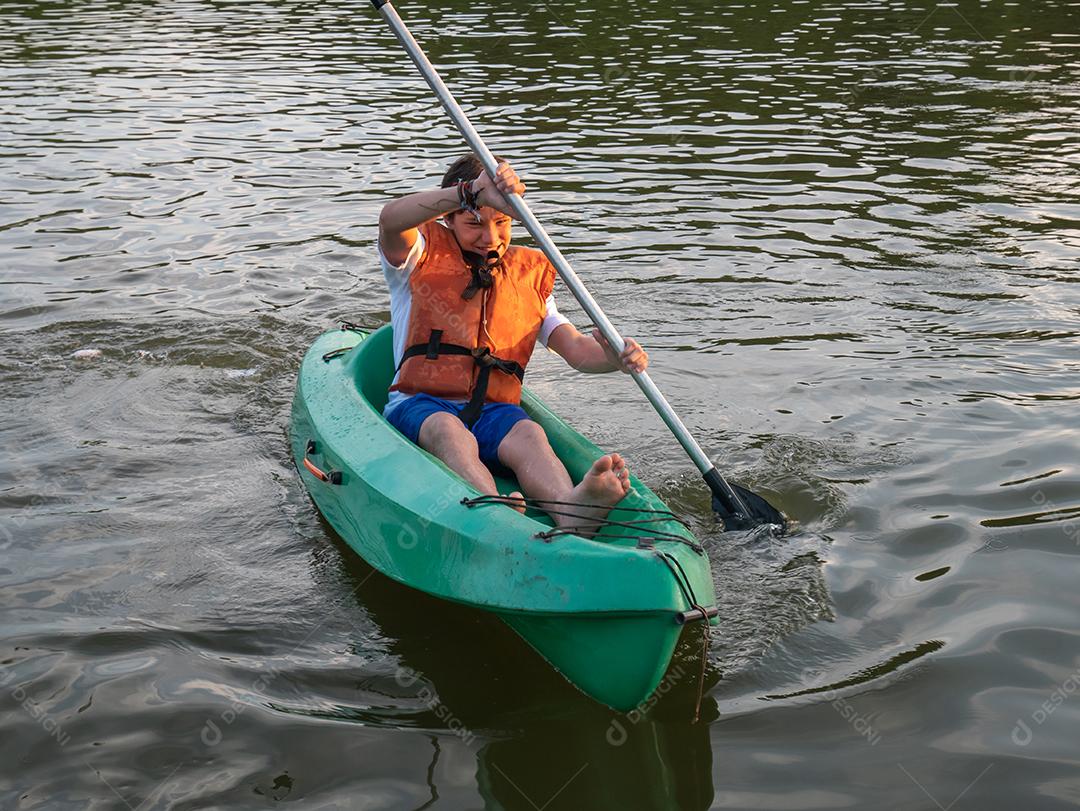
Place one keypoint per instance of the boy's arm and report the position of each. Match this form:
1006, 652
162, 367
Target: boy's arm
593, 354
399, 219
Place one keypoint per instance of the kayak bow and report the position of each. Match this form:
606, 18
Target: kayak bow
606, 612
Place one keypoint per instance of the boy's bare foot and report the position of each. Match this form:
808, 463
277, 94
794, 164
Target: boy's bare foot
516, 505
604, 486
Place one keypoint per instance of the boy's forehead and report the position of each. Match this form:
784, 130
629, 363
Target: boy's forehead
484, 215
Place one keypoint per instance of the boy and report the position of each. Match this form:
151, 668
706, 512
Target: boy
467, 310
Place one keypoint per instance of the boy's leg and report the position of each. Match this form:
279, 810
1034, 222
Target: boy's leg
443, 435
433, 424
526, 451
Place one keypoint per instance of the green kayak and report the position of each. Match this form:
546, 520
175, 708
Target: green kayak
606, 611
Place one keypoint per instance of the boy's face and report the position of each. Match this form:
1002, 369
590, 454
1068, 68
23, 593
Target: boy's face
491, 233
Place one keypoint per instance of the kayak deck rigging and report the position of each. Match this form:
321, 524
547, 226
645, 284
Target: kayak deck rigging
594, 525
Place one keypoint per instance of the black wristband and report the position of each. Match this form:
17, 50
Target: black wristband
471, 197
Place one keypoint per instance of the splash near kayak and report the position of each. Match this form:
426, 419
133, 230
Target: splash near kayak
606, 611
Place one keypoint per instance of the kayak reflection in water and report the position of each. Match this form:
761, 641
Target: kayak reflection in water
467, 309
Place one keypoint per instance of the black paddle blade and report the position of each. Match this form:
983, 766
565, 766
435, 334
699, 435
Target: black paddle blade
739, 508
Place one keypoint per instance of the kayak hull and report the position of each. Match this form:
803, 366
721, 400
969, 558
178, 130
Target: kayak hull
602, 611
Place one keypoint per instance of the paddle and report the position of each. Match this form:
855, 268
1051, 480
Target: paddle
736, 506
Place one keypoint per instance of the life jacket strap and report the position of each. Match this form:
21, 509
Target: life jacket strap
481, 356
433, 344
486, 361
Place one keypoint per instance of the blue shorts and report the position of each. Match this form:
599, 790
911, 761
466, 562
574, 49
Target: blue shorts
490, 428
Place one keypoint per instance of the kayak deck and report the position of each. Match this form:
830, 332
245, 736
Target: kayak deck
603, 611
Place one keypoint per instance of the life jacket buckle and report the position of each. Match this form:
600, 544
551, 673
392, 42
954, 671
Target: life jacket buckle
483, 357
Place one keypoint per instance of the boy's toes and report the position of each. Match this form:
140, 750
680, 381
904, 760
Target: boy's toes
603, 464
518, 503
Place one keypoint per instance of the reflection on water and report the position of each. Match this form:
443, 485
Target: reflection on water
847, 233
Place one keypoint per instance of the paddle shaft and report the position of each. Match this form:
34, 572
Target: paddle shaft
720, 488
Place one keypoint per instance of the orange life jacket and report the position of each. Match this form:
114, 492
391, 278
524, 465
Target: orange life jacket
456, 340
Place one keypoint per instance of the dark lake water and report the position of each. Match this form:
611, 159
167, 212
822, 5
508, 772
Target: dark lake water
847, 232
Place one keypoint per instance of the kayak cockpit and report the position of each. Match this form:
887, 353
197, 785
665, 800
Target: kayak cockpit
371, 366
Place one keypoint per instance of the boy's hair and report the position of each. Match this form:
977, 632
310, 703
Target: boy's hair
467, 167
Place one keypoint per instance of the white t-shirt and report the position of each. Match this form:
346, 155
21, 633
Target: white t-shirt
397, 279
